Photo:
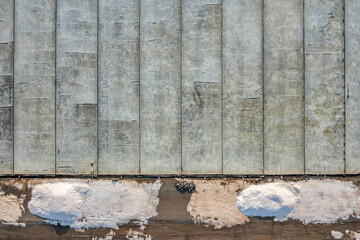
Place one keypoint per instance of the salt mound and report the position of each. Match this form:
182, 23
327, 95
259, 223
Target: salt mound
313, 201
325, 201
103, 203
267, 200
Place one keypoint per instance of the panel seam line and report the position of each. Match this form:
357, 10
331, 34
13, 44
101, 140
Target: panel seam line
263, 85
222, 89
13, 97
139, 167
345, 85
304, 78
55, 90
97, 88
181, 86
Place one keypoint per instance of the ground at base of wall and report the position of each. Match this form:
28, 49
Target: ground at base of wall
184, 209
257, 229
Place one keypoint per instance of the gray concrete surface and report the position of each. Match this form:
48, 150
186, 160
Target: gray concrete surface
160, 77
324, 86
283, 87
34, 87
179, 87
76, 79
201, 87
352, 81
6, 86
118, 87
242, 87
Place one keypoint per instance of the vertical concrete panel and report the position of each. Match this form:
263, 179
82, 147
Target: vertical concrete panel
6, 86
119, 86
201, 87
242, 87
352, 80
6, 140
76, 77
160, 79
6, 52
283, 87
34, 87
324, 86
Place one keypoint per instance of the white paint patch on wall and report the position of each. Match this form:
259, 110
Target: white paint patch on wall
312, 201
214, 203
11, 209
91, 204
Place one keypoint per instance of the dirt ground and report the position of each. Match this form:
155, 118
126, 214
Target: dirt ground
161, 230
174, 223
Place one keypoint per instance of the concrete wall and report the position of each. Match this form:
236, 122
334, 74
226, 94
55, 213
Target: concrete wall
324, 86
246, 87
283, 87
6, 86
352, 85
76, 86
34, 87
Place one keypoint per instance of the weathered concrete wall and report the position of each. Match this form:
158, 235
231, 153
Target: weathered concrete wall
34, 87
6, 86
324, 86
242, 87
118, 87
283, 87
201, 86
179, 87
160, 102
76, 78
352, 80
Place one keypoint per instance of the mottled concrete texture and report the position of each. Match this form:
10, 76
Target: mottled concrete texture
34, 87
6, 86
118, 87
6, 140
201, 86
6, 50
242, 87
324, 86
283, 87
151, 87
160, 76
76, 77
352, 78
